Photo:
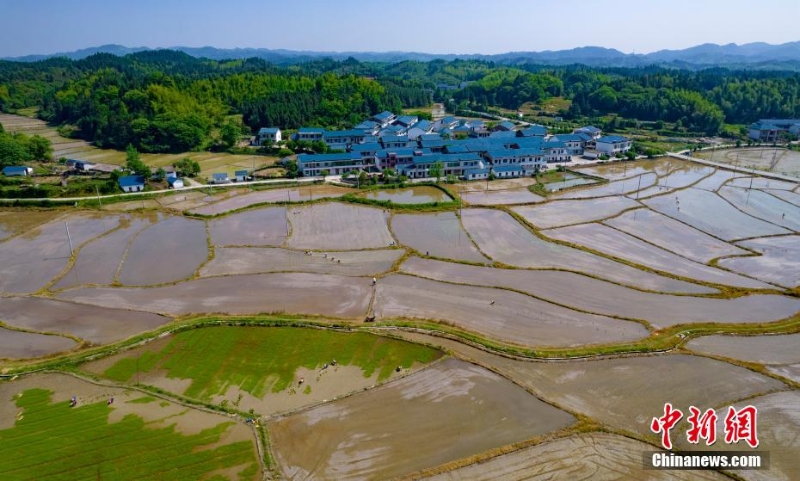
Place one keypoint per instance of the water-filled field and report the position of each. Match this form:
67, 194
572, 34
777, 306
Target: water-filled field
567, 212
409, 195
439, 235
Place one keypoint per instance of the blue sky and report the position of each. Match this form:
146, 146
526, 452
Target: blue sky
438, 26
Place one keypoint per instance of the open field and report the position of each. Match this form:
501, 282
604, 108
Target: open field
338, 227
501, 197
99, 260
608, 299
410, 424
258, 227
761, 349
779, 261
99, 325
251, 294
409, 195
673, 236
711, 214
81, 150
133, 438
13, 222
780, 161
439, 235
623, 246
30, 261
618, 187
18, 344
595, 456
505, 240
208, 364
499, 314
272, 196
763, 206
254, 260
567, 212
168, 251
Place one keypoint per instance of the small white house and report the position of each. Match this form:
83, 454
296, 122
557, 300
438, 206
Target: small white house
268, 135
613, 145
240, 175
175, 182
132, 183
17, 171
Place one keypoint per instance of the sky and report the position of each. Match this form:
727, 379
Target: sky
437, 26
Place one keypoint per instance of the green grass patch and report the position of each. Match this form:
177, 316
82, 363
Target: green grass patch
258, 360
57, 442
143, 400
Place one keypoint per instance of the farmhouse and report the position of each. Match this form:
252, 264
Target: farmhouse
17, 171
613, 144
574, 143
132, 183
533, 131
476, 174
175, 182
384, 118
420, 128
593, 132
508, 171
220, 178
335, 164
240, 175
268, 135
342, 139
309, 134
505, 126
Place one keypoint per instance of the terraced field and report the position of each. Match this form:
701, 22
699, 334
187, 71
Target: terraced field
501, 342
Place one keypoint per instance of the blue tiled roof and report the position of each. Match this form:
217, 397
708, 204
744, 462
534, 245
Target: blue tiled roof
310, 130
568, 138
507, 124
366, 125
219, 176
15, 169
131, 180
430, 137
383, 116
240, 173
423, 125
554, 145
172, 180
407, 119
269, 130
366, 147
590, 128
611, 139
524, 142
302, 158
496, 153
502, 134
342, 133
534, 130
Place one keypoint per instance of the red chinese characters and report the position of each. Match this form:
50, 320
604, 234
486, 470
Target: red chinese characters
665, 423
741, 425
703, 426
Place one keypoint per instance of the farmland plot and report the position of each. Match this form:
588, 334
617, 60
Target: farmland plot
259, 227
567, 212
619, 170
338, 227
419, 416
499, 314
273, 196
601, 297
621, 245
761, 349
678, 179
709, 213
779, 261
19, 345
619, 187
763, 206
501, 197
505, 240
439, 235
14, 222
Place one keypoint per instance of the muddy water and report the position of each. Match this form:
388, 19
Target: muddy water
31, 260
18, 345
259, 227
601, 297
501, 197
277, 196
168, 251
790, 197
619, 187
98, 261
499, 314
621, 245
673, 236
409, 195
505, 240
250, 294
763, 183
710, 213
620, 170
253, 260
16, 221
439, 235
761, 349
595, 456
763, 206
566, 212
778, 262
378, 435
337, 226
96, 324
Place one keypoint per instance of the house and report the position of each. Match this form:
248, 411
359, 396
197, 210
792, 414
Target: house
452, 164
504, 126
555, 151
508, 171
80, 165
575, 143
392, 130
612, 145
309, 134
764, 132
476, 174
268, 136
220, 178
533, 131
397, 142
434, 142
393, 158
175, 182
342, 139
406, 120
366, 149
240, 175
312, 165
420, 128
17, 171
589, 130
503, 134
475, 125
368, 127
131, 183
384, 118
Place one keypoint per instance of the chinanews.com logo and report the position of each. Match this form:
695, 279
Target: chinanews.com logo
740, 425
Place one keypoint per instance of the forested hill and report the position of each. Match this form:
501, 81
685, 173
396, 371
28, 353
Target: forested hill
170, 101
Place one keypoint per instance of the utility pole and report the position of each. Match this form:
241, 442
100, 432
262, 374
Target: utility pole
69, 238
98, 196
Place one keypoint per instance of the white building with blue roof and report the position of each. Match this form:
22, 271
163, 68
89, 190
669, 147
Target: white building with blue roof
612, 145
268, 136
312, 165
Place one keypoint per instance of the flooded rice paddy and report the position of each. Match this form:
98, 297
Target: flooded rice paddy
501, 197
337, 226
619, 170
780, 349
19, 344
778, 260
274, 196
439, 235
567, 212
410, 424
618, 187
409, 195
763, 206
258, 227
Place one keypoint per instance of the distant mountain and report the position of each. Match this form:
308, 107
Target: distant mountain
752, 55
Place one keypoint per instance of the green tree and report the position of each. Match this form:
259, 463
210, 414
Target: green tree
436, 170
40, 148
324, 173
12, 152
135, 164
229, 133
187, 167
